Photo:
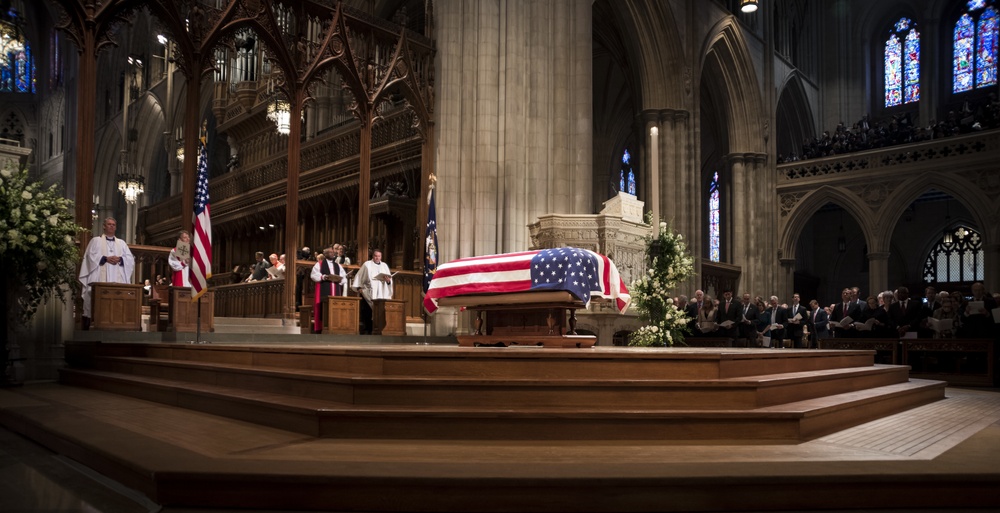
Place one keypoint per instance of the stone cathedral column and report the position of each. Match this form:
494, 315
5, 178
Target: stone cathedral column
678, 193
752, 219
515, 120
878, 271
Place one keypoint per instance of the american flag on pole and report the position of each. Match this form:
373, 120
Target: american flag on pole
201, 249
430, 241
582, 273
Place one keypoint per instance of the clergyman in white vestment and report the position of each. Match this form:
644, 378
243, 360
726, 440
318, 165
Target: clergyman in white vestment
370, 286
107, 260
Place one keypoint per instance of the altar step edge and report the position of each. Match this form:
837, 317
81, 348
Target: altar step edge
790, 422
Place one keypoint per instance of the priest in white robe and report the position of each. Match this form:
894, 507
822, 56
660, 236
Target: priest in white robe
373, 281
107, 260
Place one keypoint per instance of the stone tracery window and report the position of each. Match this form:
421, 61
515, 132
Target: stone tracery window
902, 64
956, 258
974, 43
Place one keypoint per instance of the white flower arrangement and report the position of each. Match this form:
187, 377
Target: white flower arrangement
652, 293
37, 252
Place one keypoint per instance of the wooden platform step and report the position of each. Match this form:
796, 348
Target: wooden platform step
326, 418
498, 363
461, 391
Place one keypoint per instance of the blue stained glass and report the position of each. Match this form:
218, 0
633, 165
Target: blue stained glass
18, 75
986, 50
893, 72
912, 91
976, 4
626, 176
902, 24
714, 219
962, 43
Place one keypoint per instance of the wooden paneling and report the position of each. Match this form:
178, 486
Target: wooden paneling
340, 315
117, 306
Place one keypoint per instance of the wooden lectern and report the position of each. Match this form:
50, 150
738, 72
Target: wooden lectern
183, 316
340, 314
116, 306
388, 317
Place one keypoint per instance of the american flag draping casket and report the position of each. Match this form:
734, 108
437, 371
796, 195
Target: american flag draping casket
582, 273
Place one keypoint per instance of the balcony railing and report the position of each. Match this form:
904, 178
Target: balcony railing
934, 153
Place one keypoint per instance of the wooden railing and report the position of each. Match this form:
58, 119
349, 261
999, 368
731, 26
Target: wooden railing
265, 298
255, 299
959, 361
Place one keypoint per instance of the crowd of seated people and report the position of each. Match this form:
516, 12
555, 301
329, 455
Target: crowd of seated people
754, 322
869, 134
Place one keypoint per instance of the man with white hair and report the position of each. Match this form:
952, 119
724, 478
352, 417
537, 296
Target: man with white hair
107, 260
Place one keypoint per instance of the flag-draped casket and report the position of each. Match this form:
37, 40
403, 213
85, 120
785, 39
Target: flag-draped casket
582, 273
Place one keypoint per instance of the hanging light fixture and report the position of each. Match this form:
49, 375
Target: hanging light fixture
130, 176
279, 112
748, 6
130, 180
180, 150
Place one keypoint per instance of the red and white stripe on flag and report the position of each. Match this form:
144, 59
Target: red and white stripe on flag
201, 247
511, 272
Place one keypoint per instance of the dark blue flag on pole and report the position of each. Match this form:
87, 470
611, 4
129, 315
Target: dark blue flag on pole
431, 241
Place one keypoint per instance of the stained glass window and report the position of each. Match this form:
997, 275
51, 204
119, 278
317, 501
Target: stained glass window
626, 176
17, 75
957, 258
902, 64
975, 48
964, 35
714, 216
893, 72
912, 70
986, 49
